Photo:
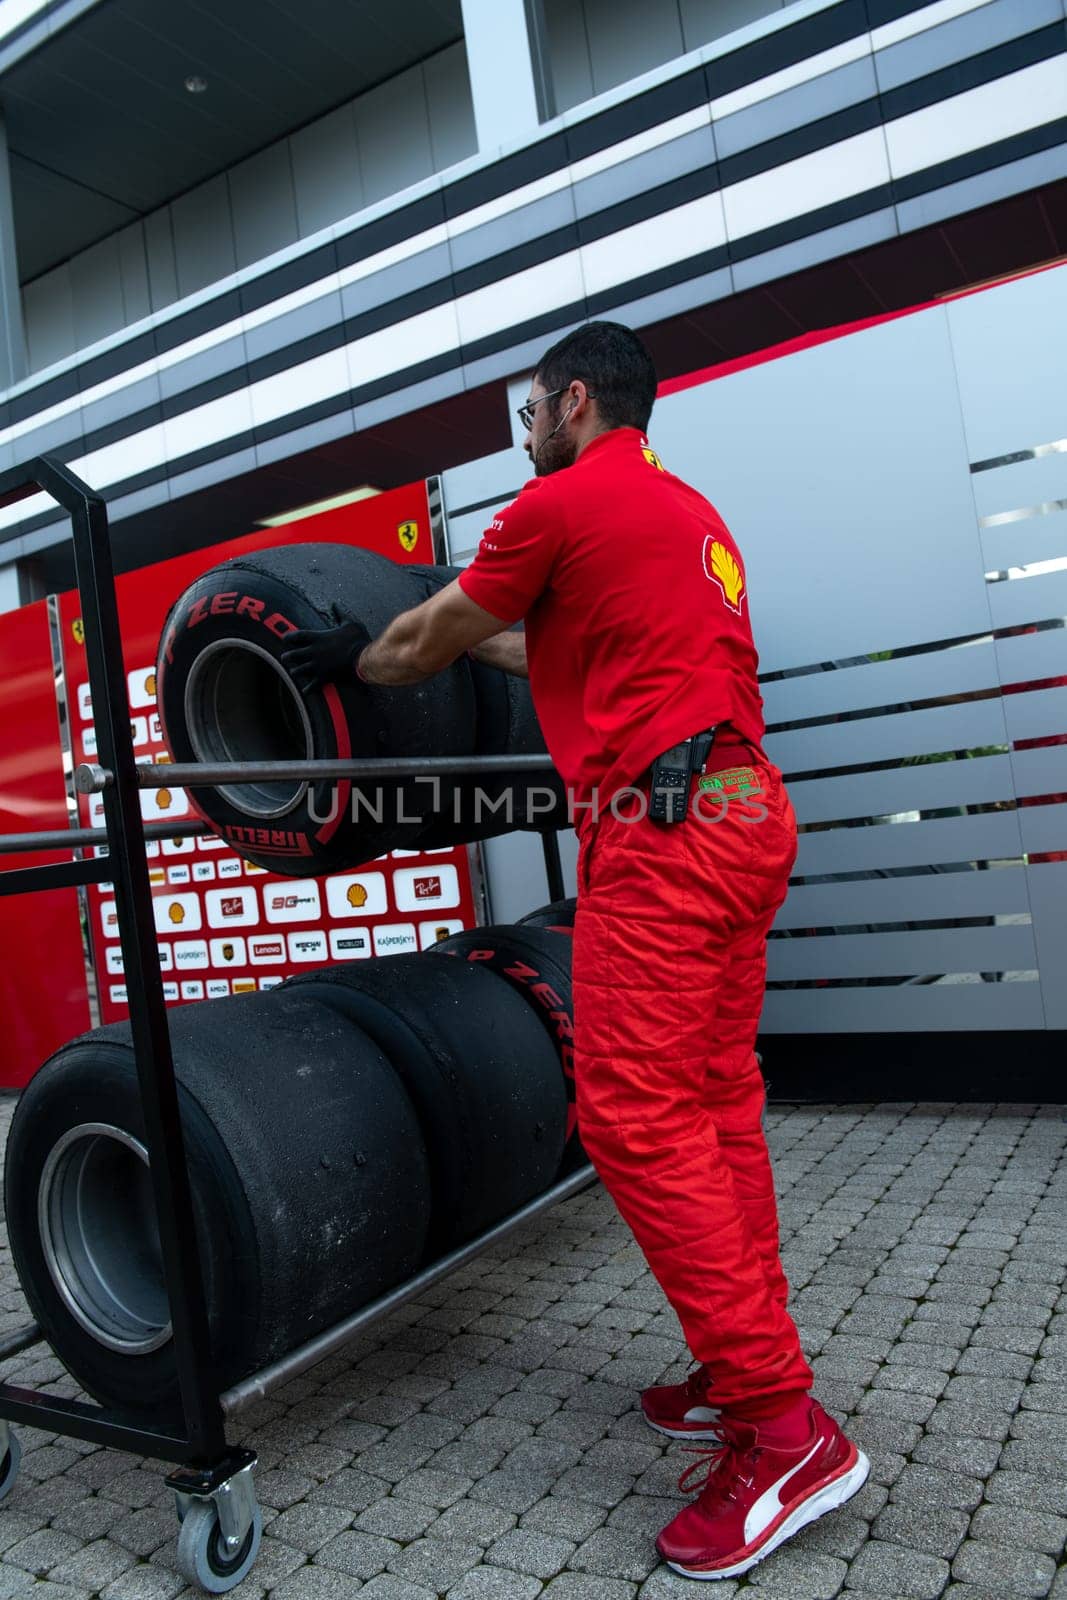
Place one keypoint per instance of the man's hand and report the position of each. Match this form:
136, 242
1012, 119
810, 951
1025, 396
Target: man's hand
320, 655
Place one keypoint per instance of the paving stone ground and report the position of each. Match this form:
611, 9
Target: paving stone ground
485, 1443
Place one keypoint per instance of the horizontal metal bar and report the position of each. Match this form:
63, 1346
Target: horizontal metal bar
79, 1421
12, 1344
260, 1384
90, 778
78, 838
61, 875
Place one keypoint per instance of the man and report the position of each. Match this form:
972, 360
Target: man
637, 644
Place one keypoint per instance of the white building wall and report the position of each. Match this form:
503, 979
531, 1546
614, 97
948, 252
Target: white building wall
385, 140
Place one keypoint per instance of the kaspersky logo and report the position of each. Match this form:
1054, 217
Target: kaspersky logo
722, 568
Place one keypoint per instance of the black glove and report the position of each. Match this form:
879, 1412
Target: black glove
320, 655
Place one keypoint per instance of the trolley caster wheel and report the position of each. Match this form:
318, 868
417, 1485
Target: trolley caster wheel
202, 1555
9, 1466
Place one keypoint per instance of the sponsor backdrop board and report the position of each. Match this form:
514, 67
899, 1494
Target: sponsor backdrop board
43, 998
224, 926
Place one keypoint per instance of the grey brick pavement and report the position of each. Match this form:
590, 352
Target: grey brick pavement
485, 1443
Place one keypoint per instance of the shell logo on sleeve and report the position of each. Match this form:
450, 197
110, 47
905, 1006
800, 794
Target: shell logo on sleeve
722, 568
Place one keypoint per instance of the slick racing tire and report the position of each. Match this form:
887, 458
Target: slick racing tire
224, 695
484, 806
557, 915
309, 1180
536, 962
479, 1071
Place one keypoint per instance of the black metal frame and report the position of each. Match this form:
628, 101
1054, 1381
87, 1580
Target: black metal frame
202, 1444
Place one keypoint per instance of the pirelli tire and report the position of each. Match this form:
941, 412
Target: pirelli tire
479, 1070
311, 1192
536, 962
224, 695
558, 915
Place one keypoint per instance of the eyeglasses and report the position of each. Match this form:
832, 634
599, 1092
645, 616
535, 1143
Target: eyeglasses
525, 413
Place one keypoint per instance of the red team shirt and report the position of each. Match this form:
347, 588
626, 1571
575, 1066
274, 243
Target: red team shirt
637, 626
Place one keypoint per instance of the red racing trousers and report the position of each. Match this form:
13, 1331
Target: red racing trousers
669, 975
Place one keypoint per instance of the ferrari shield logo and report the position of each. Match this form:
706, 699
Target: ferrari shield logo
651, 457
408, 533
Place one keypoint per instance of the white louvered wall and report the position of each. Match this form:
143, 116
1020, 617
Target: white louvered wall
900, 496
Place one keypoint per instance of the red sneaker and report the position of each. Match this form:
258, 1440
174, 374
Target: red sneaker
758, 1495
681, 1410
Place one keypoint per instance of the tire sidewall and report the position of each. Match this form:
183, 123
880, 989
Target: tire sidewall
85, 1086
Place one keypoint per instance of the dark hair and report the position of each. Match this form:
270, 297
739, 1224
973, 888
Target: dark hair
614, 366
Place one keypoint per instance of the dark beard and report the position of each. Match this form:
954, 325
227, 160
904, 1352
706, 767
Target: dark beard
555, 453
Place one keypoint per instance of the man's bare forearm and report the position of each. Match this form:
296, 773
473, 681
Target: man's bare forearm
504, 650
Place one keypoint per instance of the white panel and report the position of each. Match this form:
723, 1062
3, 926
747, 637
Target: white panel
982, 116
918, 21
1024, 543
1048, 895
1029, 600
851, 546
1041, 771
500, 69
920, 786
904, 1008
553, 283
404, 344
658, 242
500, 475
1038, 714
1010, 349
417, 244
139, 453
1044, 829
299, 386
882, 683
515, 873
231, 414
970, 726
1030, 656
796, 187
1000, 490
992, 836
790, 77
902, 955
914, 898
649, 139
